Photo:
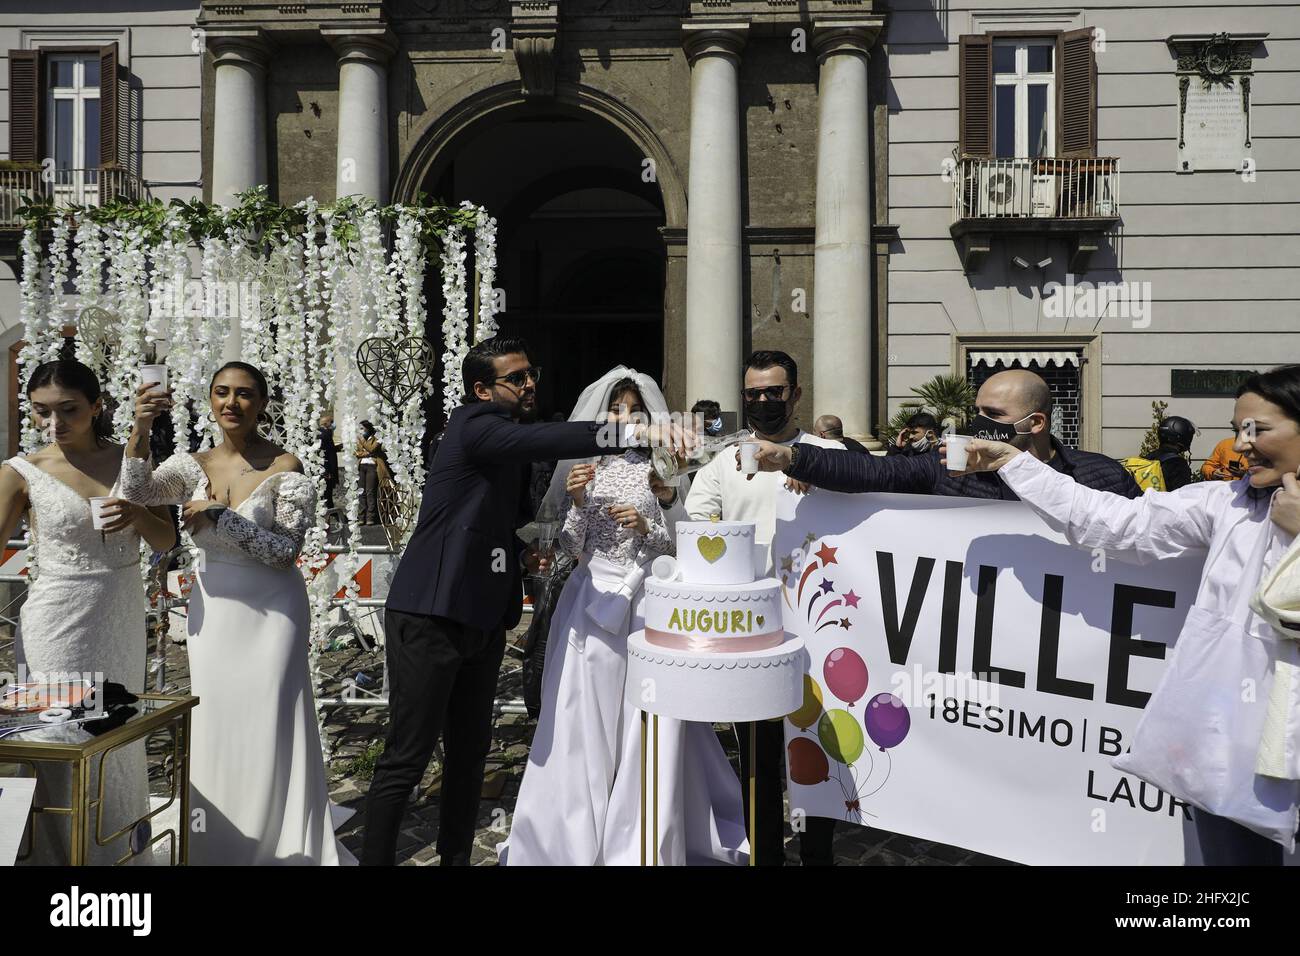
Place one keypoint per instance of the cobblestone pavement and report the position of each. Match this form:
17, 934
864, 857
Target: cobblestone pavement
356, 732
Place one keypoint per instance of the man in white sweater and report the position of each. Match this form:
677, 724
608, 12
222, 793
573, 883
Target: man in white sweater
771, 397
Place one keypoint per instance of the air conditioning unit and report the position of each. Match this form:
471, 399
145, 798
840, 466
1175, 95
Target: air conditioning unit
1004, 189
1043, 201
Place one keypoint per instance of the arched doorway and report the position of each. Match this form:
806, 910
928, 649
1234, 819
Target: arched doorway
580, 257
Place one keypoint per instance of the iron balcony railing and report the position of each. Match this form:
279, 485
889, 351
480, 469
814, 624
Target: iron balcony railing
64, 187
1086, 188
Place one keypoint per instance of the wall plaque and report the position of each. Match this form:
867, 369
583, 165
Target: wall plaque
1206, 382
1214, 76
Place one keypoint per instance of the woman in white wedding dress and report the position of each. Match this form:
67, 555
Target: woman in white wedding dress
579, 802
257, 774
84, 617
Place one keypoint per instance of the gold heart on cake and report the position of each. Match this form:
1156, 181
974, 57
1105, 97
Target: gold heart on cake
712, 548
759, 619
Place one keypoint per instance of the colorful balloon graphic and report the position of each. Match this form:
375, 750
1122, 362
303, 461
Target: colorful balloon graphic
812, 707
808, 765
887, 720
841, 735
846, 674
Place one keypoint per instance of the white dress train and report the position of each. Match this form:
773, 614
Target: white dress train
579, 802
84, 616
257, 774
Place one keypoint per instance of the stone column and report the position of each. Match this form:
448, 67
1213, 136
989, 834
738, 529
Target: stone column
238, 113
714, 296
842, 262
362, 164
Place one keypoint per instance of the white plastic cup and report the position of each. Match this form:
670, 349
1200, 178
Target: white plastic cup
665, 568
154, 375
958, 446
97, 517
749, 458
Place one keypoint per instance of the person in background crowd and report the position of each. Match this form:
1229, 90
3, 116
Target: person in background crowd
375, 476
919, 436
1201, 738
1176, 434
539, 478
1224, 463
712, 413
330, 454
771, 398
832, 429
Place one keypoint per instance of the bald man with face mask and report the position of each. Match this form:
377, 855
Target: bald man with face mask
1014, 406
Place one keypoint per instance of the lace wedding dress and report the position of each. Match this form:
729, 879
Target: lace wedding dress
579, 801
257, 774
84, 619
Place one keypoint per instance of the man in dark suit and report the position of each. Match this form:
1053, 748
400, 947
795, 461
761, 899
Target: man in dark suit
457, 590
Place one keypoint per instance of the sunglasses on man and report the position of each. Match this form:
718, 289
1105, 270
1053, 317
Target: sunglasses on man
773, 393
520, 378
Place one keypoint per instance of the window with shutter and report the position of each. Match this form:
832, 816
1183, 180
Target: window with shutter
110, 153
976, 95
1077, 99
24, 106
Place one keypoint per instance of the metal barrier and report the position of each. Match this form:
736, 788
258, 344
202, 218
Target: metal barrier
161, 604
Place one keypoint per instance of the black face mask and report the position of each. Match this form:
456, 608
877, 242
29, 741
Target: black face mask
767, 417
991, 429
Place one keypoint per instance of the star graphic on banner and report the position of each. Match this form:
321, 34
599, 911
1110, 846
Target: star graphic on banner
787, 563
827, 554
810, 538
826, 586
851, 599
844, 623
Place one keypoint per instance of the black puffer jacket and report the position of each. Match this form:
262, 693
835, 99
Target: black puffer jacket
925, 474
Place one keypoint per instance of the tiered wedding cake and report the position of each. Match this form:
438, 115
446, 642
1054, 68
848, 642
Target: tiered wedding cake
707, 600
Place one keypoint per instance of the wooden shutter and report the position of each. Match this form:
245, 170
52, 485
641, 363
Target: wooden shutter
109, 142
976, 95
1077, 95
25, 106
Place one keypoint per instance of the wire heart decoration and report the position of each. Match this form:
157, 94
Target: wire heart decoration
397, 369
398, 508
98, 329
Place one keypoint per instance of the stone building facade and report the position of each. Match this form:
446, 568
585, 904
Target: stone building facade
886, 190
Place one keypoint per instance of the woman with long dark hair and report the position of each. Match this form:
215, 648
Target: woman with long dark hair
1222, 729
85, 608
257, 773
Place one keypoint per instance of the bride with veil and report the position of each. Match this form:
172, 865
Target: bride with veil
579, 803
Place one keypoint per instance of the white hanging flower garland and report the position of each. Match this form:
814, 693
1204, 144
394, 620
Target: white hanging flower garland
303, 303
455, 317
485, 263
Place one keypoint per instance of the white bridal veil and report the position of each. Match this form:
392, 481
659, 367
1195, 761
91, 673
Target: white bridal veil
592, 406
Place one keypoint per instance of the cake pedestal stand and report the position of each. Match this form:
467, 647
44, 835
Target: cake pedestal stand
743, 687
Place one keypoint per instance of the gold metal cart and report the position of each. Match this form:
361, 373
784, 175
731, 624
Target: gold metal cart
155, 713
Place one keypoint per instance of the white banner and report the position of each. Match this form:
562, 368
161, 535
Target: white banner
972, 676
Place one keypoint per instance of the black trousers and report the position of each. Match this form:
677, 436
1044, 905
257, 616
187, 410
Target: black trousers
442, 678
369, 494
1225, 842
815, 843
